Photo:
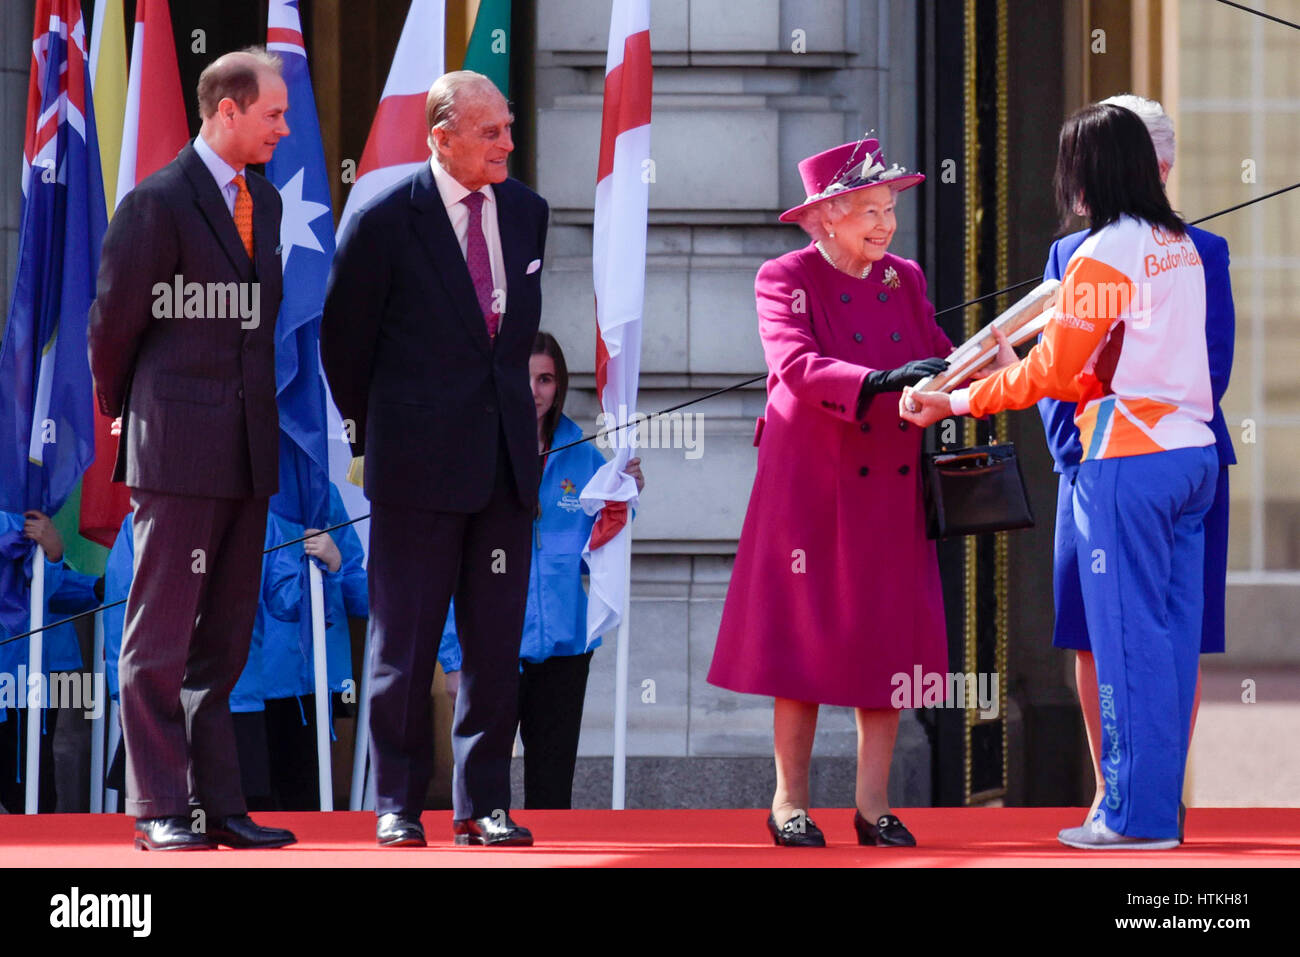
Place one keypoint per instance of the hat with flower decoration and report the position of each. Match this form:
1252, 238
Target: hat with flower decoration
846, 168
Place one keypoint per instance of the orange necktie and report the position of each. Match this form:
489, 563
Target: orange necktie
244, 214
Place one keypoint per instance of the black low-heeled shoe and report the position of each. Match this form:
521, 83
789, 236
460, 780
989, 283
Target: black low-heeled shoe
799, 831
886, 832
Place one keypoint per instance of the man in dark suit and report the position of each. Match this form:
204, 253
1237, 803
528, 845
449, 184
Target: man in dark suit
430, 315
182, 349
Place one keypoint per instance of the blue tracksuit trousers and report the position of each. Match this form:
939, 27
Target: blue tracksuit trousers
1141, 546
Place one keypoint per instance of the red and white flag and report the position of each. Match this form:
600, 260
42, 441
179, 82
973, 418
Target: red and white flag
623, 178
399, 141
151, 138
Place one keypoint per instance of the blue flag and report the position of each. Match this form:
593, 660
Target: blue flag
46, 415
307, 239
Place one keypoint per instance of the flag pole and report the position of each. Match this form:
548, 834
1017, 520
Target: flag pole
361, 746
97, 723
35, 659
114, 742
620, 684
324, 771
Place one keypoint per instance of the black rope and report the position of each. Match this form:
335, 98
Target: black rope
1261, 13
678, 406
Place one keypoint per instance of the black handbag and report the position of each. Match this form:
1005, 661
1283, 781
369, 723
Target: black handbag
973, 491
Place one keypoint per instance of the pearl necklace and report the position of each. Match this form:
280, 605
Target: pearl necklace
865, 273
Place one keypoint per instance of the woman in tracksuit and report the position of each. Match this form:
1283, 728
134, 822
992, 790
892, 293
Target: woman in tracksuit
1127, 344
554, 655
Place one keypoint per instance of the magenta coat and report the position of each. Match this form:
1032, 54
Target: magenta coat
835, 587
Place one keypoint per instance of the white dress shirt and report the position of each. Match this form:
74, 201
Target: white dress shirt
452, 193
221, 171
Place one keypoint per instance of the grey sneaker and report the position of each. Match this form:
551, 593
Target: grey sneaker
1096, 836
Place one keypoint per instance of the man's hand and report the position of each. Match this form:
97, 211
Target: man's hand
322, 548
40, 529
634, 469
923, 409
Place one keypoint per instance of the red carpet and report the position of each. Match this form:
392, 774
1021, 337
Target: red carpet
949, 837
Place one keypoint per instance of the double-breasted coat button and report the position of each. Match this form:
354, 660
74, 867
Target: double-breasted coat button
896, 336
883, 297
857, 337
903, 469
863, 471
845, 297
841, 408
865, 426
902, 426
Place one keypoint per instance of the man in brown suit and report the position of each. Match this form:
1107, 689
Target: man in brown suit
182, 348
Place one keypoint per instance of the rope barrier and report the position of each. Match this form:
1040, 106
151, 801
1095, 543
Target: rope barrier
688, 402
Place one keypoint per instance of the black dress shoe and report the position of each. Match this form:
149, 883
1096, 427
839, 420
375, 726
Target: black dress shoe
238, 830
399, 830
886, 832
492, 831
799, 831
169, 834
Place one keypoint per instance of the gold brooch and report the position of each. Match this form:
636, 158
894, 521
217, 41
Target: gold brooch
891, 278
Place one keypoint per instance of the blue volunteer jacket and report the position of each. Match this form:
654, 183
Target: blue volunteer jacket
287, 668
555, 623
66, 593
1220, 336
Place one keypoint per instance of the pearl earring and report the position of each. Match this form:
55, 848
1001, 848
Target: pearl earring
831, 234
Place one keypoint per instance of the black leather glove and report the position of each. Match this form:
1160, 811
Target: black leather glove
893, 380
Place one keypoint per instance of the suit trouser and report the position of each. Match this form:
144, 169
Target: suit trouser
551, 694
1141, 542
418, 559
189, 621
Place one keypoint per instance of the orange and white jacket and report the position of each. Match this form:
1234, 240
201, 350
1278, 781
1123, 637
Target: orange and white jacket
1126, 341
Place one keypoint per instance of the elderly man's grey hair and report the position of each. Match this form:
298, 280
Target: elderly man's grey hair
1157, 121
449, 94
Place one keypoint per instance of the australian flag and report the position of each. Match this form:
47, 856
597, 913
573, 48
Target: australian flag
46, 416
307, 245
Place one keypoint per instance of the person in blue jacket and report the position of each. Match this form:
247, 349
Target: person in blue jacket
554, 655
66, 593
246, 698
288, 676
1071, 628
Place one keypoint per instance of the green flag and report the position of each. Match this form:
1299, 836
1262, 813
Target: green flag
489, 44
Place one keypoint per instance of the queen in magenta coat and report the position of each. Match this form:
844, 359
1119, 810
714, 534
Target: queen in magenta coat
835, 587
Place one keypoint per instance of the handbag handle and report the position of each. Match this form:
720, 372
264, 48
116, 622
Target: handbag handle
967, 458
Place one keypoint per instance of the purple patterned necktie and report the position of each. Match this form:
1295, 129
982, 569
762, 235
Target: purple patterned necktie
476, 257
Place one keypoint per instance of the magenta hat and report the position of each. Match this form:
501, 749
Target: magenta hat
843, 169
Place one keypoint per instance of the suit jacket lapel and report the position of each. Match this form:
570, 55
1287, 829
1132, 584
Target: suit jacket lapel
213, 206
266, 247
433, 226
513, 252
